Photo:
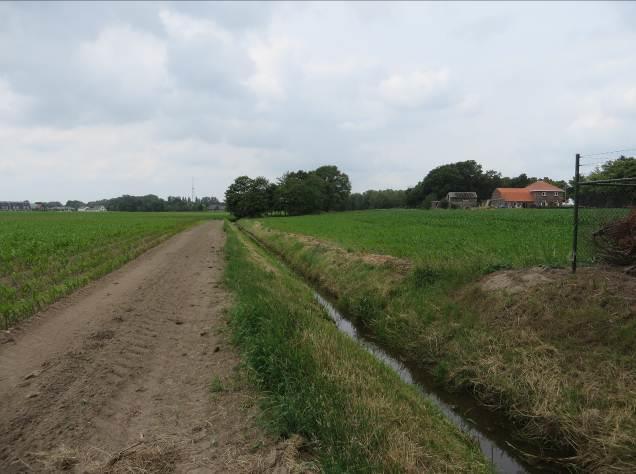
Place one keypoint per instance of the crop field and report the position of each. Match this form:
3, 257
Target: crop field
484, 302
44, 256
472, 241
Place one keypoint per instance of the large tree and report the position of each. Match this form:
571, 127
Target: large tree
461, 176
301, 193
337, 187
248, 197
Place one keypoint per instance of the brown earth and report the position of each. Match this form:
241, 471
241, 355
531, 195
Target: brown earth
134, 373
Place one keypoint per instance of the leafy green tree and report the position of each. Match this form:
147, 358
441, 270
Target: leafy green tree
610, 196
337, 187
301, 193
461, 176
75, 204
248, 197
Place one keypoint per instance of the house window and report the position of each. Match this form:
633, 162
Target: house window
544, 193
556, 193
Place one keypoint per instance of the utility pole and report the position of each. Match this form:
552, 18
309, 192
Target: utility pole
192, 198
575, 237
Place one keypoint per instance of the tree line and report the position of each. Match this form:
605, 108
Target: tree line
296, 192
329, 189
149, 203
609, 196
466, 176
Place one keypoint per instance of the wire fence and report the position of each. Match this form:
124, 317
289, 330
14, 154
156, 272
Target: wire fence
604, 215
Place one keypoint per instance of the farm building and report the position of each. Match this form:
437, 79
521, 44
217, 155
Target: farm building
462, 199
217, 206
93, 209
15, 206
538, 194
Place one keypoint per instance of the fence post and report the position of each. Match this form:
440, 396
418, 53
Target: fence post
576, 211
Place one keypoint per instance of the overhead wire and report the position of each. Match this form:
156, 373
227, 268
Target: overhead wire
608, 152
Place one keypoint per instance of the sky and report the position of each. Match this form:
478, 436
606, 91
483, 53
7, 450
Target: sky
103, 99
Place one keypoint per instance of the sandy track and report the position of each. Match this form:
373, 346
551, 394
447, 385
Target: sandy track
127, 362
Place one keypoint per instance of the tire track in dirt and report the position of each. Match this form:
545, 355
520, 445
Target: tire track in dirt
118, 375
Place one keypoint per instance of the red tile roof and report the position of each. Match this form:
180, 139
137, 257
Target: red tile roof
515, 194
543, 186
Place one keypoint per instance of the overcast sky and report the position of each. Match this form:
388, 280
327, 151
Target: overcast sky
101, 99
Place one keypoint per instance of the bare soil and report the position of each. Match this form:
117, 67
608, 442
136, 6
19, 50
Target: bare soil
135, 373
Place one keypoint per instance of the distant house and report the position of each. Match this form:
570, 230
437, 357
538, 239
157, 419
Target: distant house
15, 206
538, 194
61, 209
217, 206
462, 199
92, 209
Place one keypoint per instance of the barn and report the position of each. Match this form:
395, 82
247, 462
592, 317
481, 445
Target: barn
462, 199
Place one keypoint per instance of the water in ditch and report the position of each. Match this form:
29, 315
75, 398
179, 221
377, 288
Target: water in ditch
463, 412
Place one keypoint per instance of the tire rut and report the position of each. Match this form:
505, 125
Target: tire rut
120, 372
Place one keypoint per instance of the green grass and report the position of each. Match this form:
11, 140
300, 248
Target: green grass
558, 359
472, 240
45, 255
354, 412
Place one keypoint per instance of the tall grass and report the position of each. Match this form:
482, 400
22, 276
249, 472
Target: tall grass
354, 412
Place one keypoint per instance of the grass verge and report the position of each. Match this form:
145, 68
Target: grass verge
557, 357
320, 384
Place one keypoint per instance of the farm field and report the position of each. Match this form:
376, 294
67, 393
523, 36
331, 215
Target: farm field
44, 256
473, 241
460, 294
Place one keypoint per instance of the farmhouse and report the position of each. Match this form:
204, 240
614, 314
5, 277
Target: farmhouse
217, 206
15, 206
538, 194
462, 199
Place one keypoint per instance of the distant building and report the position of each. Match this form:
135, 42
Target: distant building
462, 199
217, 206
92, 209
538, 194
15, 206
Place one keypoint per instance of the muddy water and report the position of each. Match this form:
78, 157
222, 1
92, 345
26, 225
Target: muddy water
462, 411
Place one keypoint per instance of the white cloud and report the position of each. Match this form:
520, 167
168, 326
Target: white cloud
268, 57
186, 27
417, 89
13, 106
129, 61
137, 97
594, 121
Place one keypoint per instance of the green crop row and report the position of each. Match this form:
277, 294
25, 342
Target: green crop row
44, 256
474, 241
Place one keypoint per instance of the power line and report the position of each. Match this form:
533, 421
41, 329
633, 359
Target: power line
608, 152
593, 164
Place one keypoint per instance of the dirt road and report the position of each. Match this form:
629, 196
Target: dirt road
133, 371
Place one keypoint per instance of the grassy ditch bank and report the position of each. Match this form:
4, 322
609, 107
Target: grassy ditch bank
552, 351
354, 412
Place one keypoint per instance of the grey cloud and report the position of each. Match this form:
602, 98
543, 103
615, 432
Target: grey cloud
385, 91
